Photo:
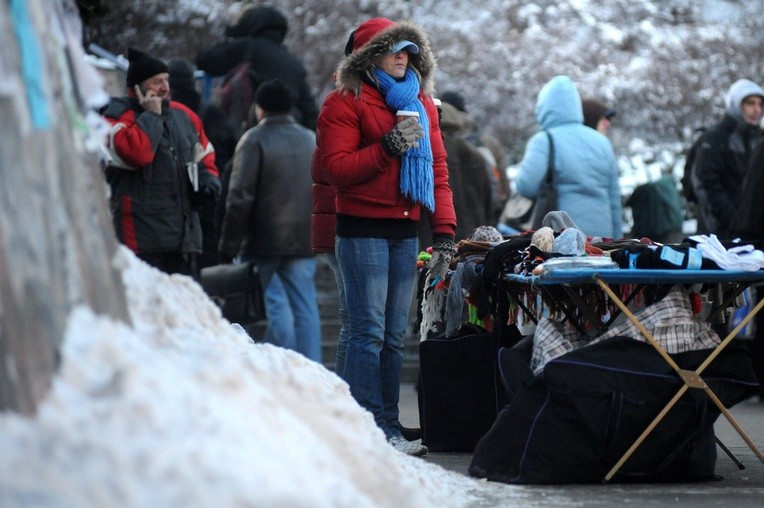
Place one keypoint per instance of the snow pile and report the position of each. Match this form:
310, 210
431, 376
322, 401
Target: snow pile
181, 409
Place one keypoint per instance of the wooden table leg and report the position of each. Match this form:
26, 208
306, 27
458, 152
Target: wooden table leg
691, 379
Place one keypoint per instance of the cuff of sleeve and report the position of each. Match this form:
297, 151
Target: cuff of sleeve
443, 237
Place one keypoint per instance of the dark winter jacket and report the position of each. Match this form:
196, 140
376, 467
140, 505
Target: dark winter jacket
749, 217
468, 176
269, 198
718, 173
153, 204
351, 124
259, 40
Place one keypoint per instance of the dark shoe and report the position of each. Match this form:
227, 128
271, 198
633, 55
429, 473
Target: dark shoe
411, 433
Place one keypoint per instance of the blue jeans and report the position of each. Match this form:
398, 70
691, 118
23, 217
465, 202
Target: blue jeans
280, 328
297, 276
342, 340
380, 277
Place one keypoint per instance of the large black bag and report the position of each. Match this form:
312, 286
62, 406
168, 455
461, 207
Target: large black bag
574, 423
236, 289
459, 393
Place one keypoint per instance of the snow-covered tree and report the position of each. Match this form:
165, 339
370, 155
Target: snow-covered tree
663, 65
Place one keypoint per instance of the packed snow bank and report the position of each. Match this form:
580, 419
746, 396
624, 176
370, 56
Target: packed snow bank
183, 409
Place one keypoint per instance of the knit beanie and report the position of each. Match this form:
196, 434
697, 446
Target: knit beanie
182, 83
594, 111
486, 234
273, 96
455, 99
142, 67
558, 220
451, 119
739, 90
571, 241
181, 74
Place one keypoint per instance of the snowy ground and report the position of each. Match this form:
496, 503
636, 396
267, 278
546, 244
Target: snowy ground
181, 409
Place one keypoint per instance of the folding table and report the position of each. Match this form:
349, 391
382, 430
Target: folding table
629, 282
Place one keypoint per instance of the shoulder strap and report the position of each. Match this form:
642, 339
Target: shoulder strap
550, 165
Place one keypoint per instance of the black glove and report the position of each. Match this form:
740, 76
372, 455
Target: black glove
212, 186
443, 252
405, 135
209, 192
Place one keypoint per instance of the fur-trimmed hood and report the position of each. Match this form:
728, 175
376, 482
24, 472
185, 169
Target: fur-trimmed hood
353, 68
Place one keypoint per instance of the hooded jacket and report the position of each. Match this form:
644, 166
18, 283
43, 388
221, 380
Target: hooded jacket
260, 33
351, 124
585, 167
719, 167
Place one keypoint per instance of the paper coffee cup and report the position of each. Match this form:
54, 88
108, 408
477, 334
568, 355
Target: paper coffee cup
402, 114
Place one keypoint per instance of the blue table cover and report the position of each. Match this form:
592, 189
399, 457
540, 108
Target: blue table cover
637, 276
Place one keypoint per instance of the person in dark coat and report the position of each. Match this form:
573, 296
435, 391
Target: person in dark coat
162, 167
223, 137
268, 213
258, 35
748, 225
719, 166
489, 147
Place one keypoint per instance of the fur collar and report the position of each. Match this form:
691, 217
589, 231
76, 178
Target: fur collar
354, 67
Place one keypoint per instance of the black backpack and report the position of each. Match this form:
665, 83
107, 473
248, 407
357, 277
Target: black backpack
687, 188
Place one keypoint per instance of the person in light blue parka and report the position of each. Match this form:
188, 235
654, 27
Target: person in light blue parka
585, 167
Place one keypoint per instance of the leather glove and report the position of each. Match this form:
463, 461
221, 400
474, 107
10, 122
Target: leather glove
404, 136
443, 252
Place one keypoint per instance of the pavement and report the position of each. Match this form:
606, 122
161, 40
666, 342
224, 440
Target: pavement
736, 487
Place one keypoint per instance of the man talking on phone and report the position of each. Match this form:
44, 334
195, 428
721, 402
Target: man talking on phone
162, 168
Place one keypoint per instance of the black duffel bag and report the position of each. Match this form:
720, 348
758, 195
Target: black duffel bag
236, 289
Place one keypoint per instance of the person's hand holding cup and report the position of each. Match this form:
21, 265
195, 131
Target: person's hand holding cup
405, 135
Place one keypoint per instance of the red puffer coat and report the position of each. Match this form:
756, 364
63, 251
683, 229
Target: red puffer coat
353, 120
366, 178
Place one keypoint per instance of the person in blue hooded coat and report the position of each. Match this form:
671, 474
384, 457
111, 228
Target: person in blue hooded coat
585, 167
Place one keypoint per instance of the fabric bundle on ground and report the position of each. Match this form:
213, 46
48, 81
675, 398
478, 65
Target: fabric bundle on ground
574, 423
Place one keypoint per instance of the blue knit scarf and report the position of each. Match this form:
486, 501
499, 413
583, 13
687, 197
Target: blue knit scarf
417, 181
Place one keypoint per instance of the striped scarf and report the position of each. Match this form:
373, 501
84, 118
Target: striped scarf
417, 181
